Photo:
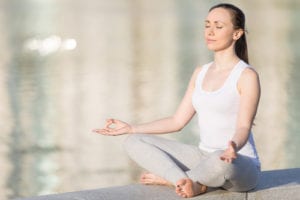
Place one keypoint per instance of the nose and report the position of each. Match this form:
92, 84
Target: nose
211, 31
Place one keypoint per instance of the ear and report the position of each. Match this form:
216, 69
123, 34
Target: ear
237, 34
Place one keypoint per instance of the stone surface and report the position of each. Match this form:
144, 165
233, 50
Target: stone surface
275, 185
136, 192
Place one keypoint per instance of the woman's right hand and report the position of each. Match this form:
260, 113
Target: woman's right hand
114, 127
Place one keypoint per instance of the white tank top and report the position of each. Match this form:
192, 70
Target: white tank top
217, 113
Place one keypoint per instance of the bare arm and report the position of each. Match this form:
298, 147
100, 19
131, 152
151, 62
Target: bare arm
249, 89
176, 122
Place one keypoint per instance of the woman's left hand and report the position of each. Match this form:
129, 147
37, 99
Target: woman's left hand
230, 153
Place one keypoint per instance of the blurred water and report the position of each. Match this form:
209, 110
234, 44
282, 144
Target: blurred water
67, 65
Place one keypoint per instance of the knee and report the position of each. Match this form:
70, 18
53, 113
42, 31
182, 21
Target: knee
131, 141
221, 166
216, 157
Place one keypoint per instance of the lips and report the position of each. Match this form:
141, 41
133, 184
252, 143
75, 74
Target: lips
209, 41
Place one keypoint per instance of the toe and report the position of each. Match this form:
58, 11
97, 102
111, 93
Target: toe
180, 183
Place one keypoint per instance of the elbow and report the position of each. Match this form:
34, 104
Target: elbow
179, 128
178, 125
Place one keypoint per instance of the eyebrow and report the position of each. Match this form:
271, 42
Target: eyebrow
216, 22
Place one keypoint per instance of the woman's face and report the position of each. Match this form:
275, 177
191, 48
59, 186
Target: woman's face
219, 30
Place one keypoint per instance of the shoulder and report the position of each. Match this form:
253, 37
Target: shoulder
200, 68
249, 80
196, 73
197, 70
248, 74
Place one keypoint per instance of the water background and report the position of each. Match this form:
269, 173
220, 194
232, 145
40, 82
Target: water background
67, 65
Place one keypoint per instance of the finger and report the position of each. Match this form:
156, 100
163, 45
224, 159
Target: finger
118, 122
102, 131
109, 129
108, 123
109, 120
115, 120
223, 156
225, 159
116, 132
96, 130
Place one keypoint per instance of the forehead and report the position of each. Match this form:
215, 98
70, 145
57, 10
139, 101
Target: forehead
219, 15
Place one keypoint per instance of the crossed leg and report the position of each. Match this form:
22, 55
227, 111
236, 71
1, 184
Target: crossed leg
167, 161
184, 188
187, 188
148, 178
187, 168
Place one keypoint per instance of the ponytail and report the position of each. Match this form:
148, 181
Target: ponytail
241, 48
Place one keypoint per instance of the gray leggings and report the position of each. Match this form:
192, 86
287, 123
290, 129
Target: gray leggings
173, 161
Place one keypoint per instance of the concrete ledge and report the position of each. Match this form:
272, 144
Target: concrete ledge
275, 185
278, 184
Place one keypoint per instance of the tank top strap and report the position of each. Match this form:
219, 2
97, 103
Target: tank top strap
235, 76
202, 74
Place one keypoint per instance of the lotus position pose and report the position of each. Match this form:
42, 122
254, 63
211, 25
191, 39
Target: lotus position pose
225, 94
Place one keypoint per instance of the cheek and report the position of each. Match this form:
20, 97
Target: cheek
206, 33
226, 38
226, 35
223, 42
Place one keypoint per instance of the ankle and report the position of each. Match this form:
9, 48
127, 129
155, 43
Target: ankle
203, 188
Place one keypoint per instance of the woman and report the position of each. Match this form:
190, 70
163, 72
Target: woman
225, 95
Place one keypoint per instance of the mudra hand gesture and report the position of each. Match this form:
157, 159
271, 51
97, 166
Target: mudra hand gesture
114, 127
230, 153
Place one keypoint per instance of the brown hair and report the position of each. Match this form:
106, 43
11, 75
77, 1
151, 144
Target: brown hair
238, 21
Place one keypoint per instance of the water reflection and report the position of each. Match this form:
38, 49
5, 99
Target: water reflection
49, 45
131, 60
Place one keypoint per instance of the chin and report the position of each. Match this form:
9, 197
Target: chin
215, 48
212, 48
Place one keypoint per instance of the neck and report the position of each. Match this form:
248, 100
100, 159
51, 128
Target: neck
225, 58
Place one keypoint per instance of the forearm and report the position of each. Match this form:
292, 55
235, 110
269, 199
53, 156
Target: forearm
240, 138
165, 125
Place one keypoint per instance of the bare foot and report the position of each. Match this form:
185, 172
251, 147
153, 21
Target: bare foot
187, 188
152, 179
